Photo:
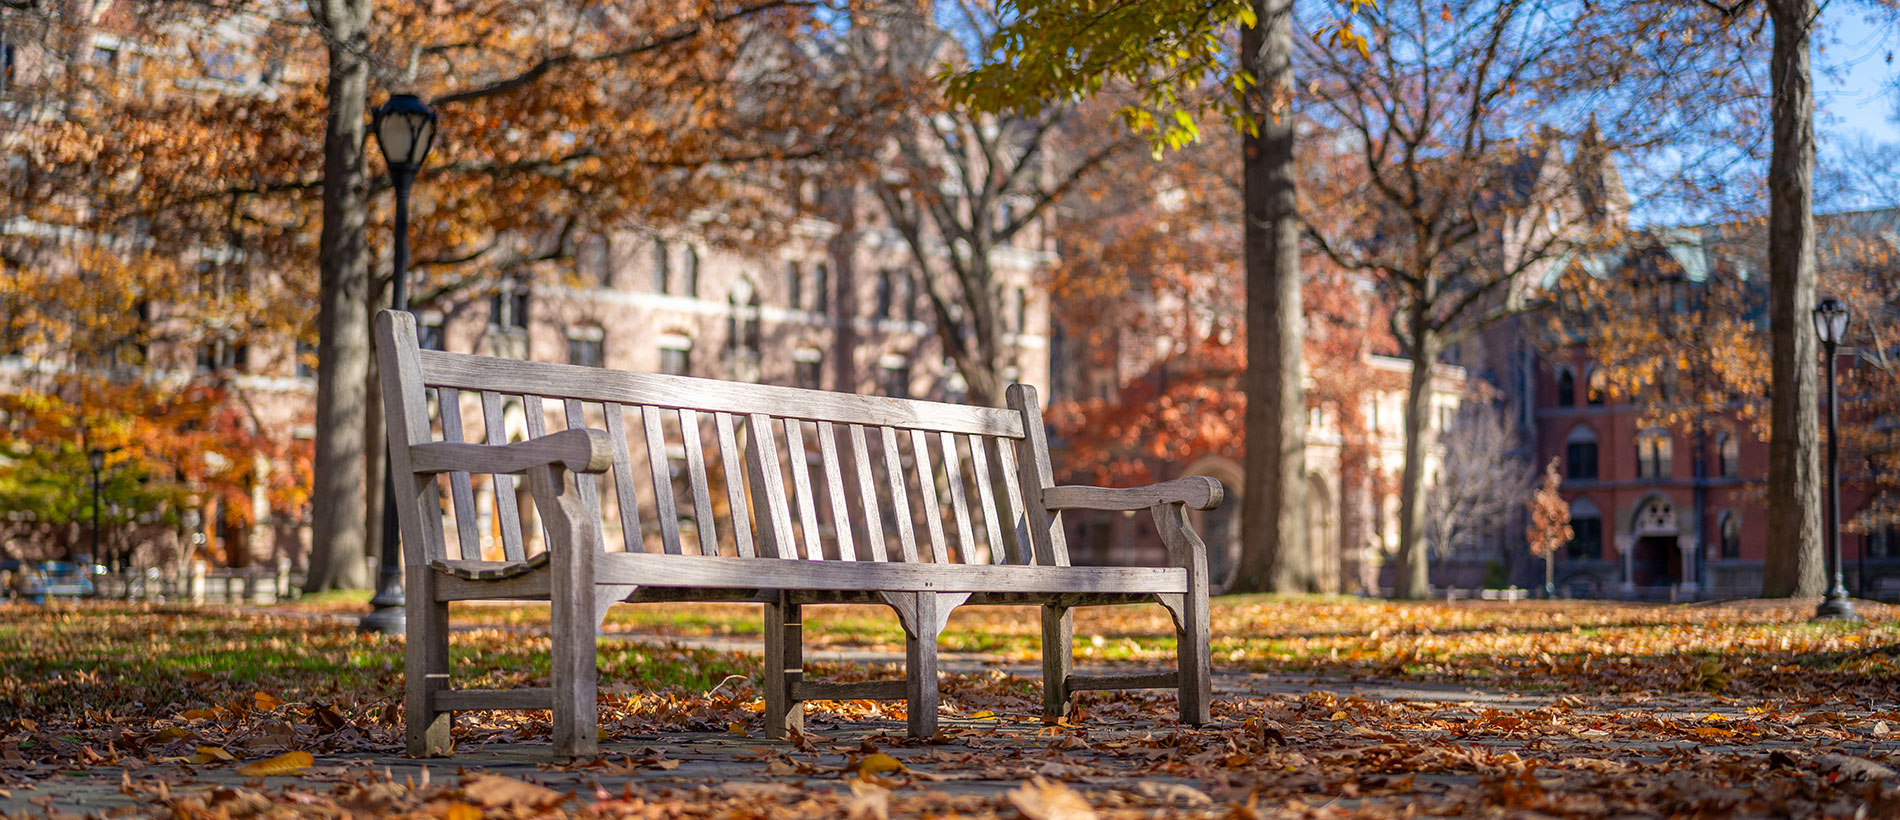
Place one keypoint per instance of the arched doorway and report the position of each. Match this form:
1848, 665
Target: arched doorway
1656, 558
1322, 532
1219, 528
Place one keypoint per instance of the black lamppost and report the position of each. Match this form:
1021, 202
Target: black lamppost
1830, 322
96, 458
405, 129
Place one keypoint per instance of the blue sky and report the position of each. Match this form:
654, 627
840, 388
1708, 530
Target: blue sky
1856, 95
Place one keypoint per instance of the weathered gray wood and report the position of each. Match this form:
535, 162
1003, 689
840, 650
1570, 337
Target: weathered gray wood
466, 372
702, 493
905, 605
775, 530
632, 537
986, 497
784, 668
927, 494
834, 491
1058, 660
959, 503
801, 488
461, 492
572, 555
1125, 680
657, 570
852, 690
900, 497
735, 487
867, 491
507, 509
537, 422
575, 412
471, 700
1019, 542
1198, 492
1192, 645
426, 652
582, 451
662, 480
920, 667
1045, 529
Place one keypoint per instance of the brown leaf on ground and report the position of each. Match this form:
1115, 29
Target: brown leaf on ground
1041, 799
494, 791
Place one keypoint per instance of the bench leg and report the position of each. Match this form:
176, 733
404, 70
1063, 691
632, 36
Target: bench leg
920, 665
425, 667
784, 666
1058, 660
1192, 656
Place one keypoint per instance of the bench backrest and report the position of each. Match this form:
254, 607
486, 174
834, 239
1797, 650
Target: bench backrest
712, 467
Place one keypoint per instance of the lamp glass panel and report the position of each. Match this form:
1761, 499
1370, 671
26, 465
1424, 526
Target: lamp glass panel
394, 135
1837, 322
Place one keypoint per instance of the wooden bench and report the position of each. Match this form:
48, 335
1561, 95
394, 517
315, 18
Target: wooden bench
927, 507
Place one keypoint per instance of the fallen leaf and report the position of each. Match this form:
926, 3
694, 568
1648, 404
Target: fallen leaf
459, 810
212, 754
879, 763
266, 701
286, 763
869, 801
737, 729
1041, 799
495, 791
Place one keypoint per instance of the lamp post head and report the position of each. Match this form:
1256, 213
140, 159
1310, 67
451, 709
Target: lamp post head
96, 458
1830, 321
405, 130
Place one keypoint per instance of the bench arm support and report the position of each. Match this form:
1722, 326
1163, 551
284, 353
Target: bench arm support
1198, 492
580, 451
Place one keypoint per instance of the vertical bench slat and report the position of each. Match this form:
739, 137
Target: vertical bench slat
1020, 551
867, 490
834, 489
900, 496
461, 492
775, 532
585, 483
801, 488
735, 491
986, 496
1045, 528
703, 523
959, 503
495, 431
927, 489
629, 501
537, 419
662, 479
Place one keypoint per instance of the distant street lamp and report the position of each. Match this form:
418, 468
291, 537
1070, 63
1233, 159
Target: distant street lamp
96, 458
405, 130
1830, 322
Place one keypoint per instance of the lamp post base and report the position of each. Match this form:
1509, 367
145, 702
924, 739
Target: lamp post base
1835, 608
389, 617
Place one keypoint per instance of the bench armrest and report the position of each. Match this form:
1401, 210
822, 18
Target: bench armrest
1199, 492
581, 451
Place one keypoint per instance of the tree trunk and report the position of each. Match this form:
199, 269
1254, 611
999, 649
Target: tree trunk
1275, 554
1793, 567
338, 537
1413, 579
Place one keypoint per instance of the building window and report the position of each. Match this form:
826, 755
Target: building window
1731, 535
1728, 456
587, 346
1654, 452
220, 355
1019, 310
808, 368
821, 284
1586, 537
6, 66
742, 323
895, 375
508, 308
1566, 388
676, 353
909, 300
662, 268
794, 287
1599, 385
884, 295
689, 277
429, 333
1580, 455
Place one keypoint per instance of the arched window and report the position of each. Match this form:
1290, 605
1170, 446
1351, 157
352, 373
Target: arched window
794, 287
689, 278
1599, 387
662, 268
1654, 454
742, 322
1586, 532
1728, 456
1731, 535
1566, 388
1580, 454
